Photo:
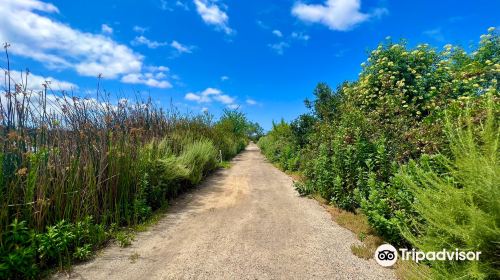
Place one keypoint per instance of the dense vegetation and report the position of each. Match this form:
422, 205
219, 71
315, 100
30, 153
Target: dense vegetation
73, 171
413, 144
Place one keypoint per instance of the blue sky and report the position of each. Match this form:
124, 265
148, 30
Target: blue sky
264, 57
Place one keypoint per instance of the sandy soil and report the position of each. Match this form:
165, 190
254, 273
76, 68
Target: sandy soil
246, 222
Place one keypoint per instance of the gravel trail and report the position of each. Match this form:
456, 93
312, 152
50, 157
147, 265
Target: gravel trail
245, 222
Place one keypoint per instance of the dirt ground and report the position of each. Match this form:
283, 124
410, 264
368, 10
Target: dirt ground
245, 222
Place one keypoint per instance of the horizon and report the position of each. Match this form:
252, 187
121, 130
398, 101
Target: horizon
263, 58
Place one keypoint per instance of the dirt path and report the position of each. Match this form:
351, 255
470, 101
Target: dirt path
246, 222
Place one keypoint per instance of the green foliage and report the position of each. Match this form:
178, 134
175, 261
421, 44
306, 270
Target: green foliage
83, 253
302, 189
124, 238
255, 131
17, 253
24, 252
279, 146
114, 162
384, 143
459, 203
199, 158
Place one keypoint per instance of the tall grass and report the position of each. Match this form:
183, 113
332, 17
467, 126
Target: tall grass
66, 159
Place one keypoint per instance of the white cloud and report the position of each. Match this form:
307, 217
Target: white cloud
140, 29
35, 82
157, 68
435, 34
223, 98
280, 47
379, 12
233, 106
181, 48
224, 78
141, 40
149, 79
57, 45
277, 33
251, 101
212, 14
164, 5
336, 14
261, 24
209, 95
211, 91
154, 77
106, 29
300, 36
182, 5
160, 75
192, 97
171, 5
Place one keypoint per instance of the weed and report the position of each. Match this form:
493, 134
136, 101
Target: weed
124, 238
134, 257
362, 251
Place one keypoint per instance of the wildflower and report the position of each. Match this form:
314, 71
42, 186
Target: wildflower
491, 29
22, 172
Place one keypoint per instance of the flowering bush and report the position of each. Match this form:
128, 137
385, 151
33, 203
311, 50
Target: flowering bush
372, 139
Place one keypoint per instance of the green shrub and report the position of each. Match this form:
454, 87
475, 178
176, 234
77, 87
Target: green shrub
124, 238
302, 189
199, 158
380, 144
17, 252
459, 204
24, 253
279, 146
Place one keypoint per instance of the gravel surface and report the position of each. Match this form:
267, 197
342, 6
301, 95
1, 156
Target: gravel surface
246, 222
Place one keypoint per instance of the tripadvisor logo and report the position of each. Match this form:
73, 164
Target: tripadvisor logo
386, 255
